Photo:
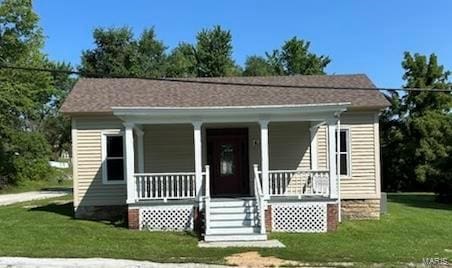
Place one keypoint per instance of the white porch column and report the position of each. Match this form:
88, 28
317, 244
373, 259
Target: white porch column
198, 157
332, 157
130, 166
140, 149
264, 157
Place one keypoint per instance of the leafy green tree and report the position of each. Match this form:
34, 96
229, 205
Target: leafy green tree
151, 55
293, 58
24, 96
296, 58
118, 53
258, 66
55, 127
417, 130
428, 119
182, 61
213, 53
210, 56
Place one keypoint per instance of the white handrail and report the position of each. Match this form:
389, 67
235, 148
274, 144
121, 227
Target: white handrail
207, 199
259, 198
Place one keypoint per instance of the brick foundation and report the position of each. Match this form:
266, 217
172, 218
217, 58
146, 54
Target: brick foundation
133, 218
360, 209
111, 213
198, 224
268, 218
331, 217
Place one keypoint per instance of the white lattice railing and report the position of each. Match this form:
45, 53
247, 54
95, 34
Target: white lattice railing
298, 182
177, 185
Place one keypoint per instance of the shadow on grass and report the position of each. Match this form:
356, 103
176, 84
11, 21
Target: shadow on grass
67, 209
419, 200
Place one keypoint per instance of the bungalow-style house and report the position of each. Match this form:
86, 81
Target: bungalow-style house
233, 158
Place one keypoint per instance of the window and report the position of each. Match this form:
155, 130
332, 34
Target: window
113, 158
227, 160
344, 152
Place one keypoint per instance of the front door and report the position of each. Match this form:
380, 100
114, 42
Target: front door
227, 155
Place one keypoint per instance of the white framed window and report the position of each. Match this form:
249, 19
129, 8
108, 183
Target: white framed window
113, 157
344, 152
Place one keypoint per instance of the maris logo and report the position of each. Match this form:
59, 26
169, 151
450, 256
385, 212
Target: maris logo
435, 261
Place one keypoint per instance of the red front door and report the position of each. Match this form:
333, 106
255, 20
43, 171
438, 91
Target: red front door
228, 159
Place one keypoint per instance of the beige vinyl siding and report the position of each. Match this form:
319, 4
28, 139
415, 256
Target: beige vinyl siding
88, 187
289, 149
322, 148
169, 148
365, 178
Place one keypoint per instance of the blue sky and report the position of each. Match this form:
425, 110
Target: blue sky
359, 36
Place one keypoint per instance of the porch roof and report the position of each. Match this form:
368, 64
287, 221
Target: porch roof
100, 95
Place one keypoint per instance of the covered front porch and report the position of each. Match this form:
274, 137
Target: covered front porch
202, 158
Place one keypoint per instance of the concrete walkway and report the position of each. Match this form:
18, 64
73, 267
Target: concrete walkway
88, 263
8, 199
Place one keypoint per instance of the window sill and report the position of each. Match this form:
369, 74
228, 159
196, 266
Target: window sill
113, 182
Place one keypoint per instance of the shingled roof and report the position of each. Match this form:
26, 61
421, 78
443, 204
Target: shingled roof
99, 95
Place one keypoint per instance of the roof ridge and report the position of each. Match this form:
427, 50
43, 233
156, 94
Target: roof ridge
225, 77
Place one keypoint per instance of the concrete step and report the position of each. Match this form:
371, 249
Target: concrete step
234, 230
239, 209
232, 223
235, 237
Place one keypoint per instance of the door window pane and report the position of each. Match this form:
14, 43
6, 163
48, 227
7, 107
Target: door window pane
227, 160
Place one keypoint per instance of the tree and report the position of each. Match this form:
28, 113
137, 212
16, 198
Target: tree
24, 96
293, 58
213, 53
258, 66
117, 52
429, 122
55, 127
417, 131
182, 61
296, 58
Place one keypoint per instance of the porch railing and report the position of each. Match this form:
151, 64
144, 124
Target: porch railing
298, 182
177, 185
259, 199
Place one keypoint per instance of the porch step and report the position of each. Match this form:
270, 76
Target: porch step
234, 230
234, 237
221, 203
234, 219
231, 223
230, 209
232, 216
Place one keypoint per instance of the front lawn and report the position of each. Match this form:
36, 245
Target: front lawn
415, 228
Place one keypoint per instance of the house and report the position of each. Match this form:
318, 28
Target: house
230, 157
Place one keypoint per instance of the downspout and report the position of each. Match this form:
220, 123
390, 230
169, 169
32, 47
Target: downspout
338, 165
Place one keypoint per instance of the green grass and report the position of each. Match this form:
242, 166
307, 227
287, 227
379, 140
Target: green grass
415, 228
27, 186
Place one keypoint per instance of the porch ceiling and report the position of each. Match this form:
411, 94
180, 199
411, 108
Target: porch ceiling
224, 114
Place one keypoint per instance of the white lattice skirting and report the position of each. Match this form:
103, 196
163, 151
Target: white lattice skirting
165, 218
296, 217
